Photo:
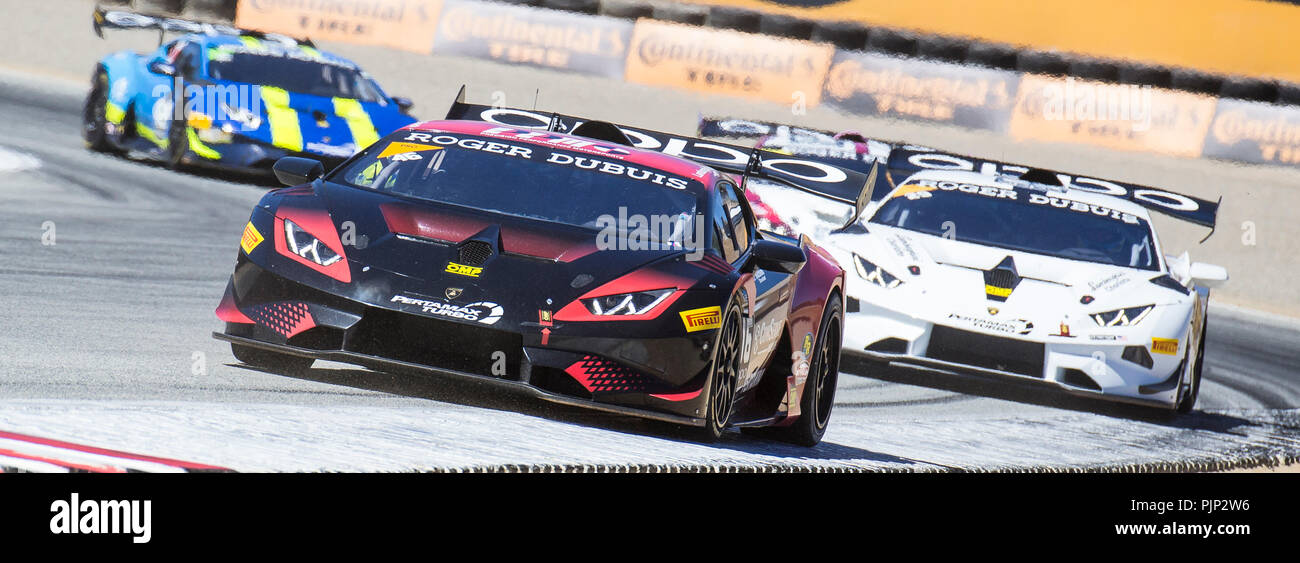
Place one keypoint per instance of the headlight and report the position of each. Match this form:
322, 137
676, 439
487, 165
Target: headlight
1122, 317
637, 303
251, 121
875, 274
198, 120
216, 136
300, 242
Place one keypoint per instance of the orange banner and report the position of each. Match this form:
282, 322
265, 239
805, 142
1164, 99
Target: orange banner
1238, 37
718, 61
400, 24
1123, 117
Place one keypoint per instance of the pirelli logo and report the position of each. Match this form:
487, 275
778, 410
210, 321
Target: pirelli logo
251, 238
461, 269
1167, 346
702, 319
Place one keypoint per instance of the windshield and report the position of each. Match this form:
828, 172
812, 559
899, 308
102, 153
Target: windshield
523, 180
1020, 219
301, 75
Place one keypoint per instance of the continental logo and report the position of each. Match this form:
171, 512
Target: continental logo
1064, 110
1167, 346
727, 62
461, 269
251, 238
894, 90
484, 22
1267, 135
402, 24
658, 48
702, 319
1234, 126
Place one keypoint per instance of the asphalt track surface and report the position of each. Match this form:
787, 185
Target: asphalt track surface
106, 341
105, 338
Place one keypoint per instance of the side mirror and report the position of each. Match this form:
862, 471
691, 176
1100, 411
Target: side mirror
160, 65
293, 171
1208, 275
404, 104
777, 256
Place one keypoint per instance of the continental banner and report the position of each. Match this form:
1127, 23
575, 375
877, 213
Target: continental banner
716, 61
400, 24
1255, 132
1234, 37
532, 36
1116, 116
872, 84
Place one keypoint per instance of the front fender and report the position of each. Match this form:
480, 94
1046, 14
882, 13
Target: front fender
123, 70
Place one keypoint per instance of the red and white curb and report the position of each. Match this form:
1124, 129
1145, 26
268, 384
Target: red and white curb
24, 453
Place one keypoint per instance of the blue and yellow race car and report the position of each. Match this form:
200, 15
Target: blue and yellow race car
231, 98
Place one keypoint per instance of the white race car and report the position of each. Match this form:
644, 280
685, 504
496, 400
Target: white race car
976, 266
1020, 276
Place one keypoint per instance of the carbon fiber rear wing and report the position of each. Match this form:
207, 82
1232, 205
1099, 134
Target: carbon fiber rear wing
115, 19
904, 160
810, 175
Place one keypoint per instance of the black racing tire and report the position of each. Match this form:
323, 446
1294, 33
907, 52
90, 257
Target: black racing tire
579, 6
784, 25
739, 19
842, 34
178, 144
689, 14
727, 363
819, 390
94, 120
1187, 404
628, 9
273, 361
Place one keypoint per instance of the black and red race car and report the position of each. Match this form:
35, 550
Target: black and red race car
573, 265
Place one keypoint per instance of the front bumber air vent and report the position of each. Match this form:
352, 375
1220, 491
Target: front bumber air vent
989, 352
889, 346
1076, 378
1138, 355
467, 347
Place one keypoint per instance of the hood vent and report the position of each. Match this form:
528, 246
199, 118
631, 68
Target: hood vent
476, 250
1001, 280
1168, 282
474, 253
602, 131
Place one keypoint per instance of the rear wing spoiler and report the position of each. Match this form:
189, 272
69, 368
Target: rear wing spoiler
903, 160
116, 19
806, 174
906, 160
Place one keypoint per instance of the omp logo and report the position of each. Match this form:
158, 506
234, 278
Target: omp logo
994, 291
702, 319
76, 516
1167, 346
463, 270
251, 238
